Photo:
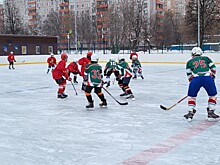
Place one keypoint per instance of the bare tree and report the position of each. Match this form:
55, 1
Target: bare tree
209, 18
13, 23
133, 18
52, 25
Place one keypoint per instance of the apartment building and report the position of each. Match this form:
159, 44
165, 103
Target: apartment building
1, 17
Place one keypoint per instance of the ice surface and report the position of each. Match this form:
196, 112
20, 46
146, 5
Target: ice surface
38, 129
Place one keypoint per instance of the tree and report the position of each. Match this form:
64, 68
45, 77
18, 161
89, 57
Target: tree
13, 23
209, 18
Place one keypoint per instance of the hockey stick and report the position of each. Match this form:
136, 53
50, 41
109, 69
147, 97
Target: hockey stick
74, 88
125, 103
168, 108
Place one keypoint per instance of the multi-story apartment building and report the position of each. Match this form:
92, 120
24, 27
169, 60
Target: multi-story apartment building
1, 17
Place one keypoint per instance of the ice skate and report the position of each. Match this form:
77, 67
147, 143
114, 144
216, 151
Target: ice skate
103, 103
135, 77
65, 95
75, 82
124, 94
142, 77
212, 115
61, 96
190, 114
90, 105
108, 84
130, 96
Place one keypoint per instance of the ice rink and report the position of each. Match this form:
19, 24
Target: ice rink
38, 129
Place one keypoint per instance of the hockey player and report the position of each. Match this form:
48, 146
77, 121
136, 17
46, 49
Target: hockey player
60, 75
201, 72
52, 62
124, 78
137, 69
11, 60
110, 68
74, 69
93, 79
83, 62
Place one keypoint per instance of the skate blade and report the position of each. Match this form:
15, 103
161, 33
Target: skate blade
90, 109
133, 99
213, 119
104, 107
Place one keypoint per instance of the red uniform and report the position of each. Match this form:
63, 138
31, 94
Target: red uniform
73, 68
11, 58
83, 62
60, 74
51, 61
132, 54
60, 70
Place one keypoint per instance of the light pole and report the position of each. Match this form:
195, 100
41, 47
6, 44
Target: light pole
198, 5
68, 38
75, 29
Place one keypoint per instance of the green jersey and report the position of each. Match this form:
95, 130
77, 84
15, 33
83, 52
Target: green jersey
125, 70
110, 65
136, 64
200, 66
94, 73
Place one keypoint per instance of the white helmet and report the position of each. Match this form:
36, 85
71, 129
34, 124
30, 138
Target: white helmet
11, 52
196, 51
94, 58
134, 57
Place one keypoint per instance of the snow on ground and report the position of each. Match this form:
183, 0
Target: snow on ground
38, 129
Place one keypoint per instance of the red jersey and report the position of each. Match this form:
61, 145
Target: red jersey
132, 54
83, 62
51, 61
73, 67
60, 70
11, 58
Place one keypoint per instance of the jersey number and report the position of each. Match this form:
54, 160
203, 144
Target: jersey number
200, 63
96, 74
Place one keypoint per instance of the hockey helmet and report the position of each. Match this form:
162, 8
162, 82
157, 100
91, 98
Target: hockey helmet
11, 52
89, 54
196, 51
64, 56
94, 58
134, 57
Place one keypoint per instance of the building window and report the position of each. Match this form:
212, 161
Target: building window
24, 49
37, 49
50, 49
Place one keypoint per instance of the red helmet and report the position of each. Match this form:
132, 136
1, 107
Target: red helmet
89, 54
64, 56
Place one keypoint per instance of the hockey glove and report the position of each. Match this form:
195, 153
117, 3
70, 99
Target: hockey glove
69, 79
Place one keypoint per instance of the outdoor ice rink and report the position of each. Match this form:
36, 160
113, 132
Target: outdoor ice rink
38, 129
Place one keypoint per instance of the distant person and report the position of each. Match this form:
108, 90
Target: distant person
74, 69
83, 62
201, 72
93, 80
137, 68
11, 60
52, 62
60, 75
